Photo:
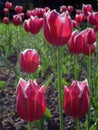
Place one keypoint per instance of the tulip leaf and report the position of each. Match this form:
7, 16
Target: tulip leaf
48, 113
2, 84
95, 126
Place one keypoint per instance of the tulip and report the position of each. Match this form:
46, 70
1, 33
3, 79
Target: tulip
34, 24
57, 27
74, 23
30, 100
77, 99
96, 27
90, 36
16, 20
63, 8
76, 42
18, 9
8, 5
29, 13
29, 60
26, 25
47, 9
70, 9
5, 10
89, 49
80, 18
93, 18
87, 8
78, 11
6, 20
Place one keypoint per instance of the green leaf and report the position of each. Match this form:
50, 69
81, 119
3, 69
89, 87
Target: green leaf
48, 113
2, 84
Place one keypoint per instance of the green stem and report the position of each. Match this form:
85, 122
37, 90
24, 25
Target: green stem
59, 72
77, 123
89, 78
76, 67
30, 126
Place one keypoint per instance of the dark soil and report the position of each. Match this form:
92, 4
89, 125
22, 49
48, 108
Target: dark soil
9, 120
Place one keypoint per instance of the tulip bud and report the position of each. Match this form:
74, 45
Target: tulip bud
5, 10
18, 9
6, 20
34, 25
77, 99
76, 42
87, 8
8, 5
90, 36
29, 60
26, 25
16, 20
30, 100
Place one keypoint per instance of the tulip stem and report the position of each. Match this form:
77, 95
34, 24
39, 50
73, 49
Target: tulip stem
29, 125
59, 72
77, 123
89, 78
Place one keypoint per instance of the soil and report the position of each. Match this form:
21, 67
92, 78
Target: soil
9, 120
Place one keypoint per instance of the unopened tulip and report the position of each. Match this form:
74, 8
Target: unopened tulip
89, 49
8, 5
74, 23
63, 8
30, 100
34, 24
6, 20
76, 42
90, 36
16, 20
29, 60
26, 25
70, 9
18, 9
5, 10
77, 99
93, 18
87, 8
57, 27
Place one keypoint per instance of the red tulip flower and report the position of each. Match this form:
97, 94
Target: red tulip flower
89, 49
26, 25
47, 9
57, 27
6, 20
16, 20
18, 9
77, 99
29, 60
70, 9
93, 18
34, 24
30, 100
90, 36
87, 8
8, 5
29, 13
5, 10
63, 8
78, 11
96, 27
76, 42
74, 23
80, 18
